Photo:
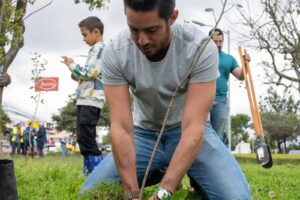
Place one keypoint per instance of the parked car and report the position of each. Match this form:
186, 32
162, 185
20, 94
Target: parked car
107, 147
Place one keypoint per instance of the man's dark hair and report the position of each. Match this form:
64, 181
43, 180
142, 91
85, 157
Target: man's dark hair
91, 23
165, 7
215, 31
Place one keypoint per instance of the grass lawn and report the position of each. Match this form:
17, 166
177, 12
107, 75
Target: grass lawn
54, 178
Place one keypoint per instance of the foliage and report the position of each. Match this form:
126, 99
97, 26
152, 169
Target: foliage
11, 33
60, 179
239, 124
93, 3
106, 139
104, 118
281, 128
276, 32
4, 119
282, 104
280, 116
66, 119
294, 147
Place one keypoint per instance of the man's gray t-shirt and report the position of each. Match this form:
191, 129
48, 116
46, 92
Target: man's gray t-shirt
153, 83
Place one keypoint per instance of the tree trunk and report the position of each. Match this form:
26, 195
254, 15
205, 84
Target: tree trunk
279, 147
1, 94
285, 149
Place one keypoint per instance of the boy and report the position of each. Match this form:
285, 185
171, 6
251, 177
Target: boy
89, 95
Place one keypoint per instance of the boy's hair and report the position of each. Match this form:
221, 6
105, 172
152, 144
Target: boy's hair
91, 23
215, 31
165, 7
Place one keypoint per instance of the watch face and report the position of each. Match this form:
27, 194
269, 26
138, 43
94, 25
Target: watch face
162, 193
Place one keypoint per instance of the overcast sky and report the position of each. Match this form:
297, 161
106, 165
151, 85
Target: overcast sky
54, 32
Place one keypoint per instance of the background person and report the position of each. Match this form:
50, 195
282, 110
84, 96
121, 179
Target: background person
219, 112
89, 95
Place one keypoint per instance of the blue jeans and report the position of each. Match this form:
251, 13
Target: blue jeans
26, 145
219, 117
215, 170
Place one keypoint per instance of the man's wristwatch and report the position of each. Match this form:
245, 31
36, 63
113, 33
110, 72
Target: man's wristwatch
163, 194
132, 195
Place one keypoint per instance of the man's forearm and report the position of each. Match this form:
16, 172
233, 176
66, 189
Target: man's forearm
183, 157
125, 158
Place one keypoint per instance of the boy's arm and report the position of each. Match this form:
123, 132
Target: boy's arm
74, 77
92, 70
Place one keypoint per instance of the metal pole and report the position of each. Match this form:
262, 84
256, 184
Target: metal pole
229, 116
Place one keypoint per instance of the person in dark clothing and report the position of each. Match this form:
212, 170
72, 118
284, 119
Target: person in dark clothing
29, 134
41, 139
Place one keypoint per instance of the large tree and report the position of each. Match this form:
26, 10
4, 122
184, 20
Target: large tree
281, 128
66, 118
239, 124
280, 117
277, 34
12, 28
282, 104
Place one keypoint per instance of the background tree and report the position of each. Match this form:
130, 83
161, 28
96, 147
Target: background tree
239, 124
280, 117
4, 119
12, 28
285, 104
276, 32
281, 128
106, 139
66, 119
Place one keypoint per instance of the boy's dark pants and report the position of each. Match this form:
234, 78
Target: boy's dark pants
87, 118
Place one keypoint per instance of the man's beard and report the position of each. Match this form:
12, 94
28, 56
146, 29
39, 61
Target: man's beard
161, 48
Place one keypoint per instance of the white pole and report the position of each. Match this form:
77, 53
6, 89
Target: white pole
229, 116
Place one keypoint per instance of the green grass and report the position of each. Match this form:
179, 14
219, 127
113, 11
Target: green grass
54, 178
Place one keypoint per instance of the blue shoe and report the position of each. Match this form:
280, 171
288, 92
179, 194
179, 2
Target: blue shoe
90, 162
94, 161
86, 166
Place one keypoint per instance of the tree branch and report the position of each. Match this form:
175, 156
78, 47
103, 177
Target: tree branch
43, 7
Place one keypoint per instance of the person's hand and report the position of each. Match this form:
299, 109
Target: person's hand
67, 61
153, 198
247, 57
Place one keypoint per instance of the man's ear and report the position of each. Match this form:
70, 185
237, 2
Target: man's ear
173, 17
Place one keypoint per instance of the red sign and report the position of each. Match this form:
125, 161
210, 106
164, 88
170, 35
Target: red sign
46, 84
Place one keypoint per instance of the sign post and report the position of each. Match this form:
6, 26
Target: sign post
46, 84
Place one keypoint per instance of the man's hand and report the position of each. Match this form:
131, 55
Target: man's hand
67, 61
247, 57
153, 198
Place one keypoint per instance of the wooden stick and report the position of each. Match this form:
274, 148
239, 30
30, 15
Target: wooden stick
254, 117
256, 108
251, 94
